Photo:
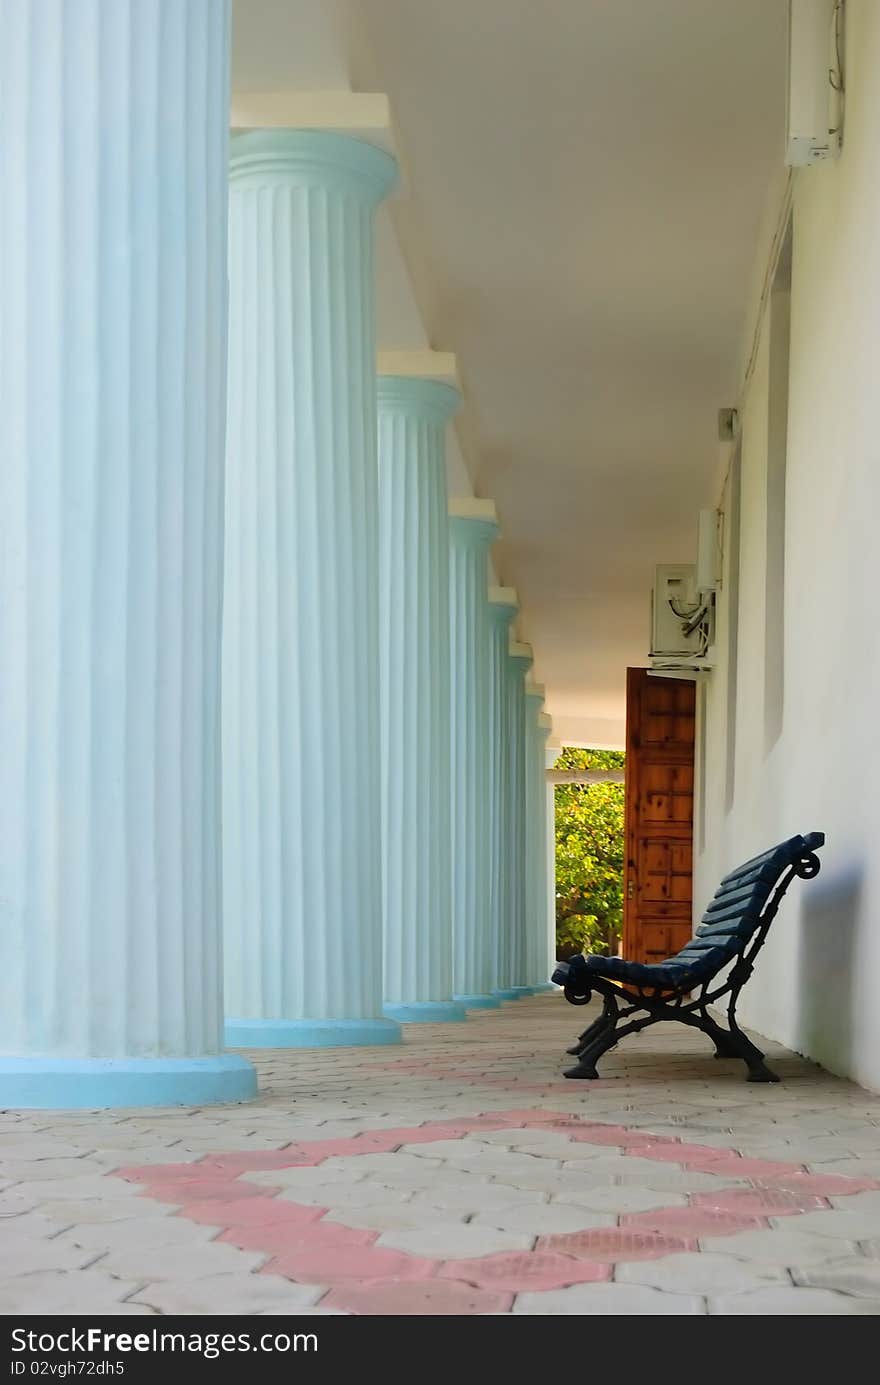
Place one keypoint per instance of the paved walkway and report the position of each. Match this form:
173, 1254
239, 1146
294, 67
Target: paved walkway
458, 1174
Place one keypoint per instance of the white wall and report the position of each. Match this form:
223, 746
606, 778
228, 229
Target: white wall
816, 983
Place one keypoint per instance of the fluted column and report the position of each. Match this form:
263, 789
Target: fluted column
502, 607
538, 967
415, 697
113, 141
518, 664
301, 772
551, 753
472, 528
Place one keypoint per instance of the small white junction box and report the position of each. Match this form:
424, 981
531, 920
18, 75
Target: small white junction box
674, 596
813, 104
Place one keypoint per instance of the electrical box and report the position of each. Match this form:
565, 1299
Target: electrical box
708, 575
675, 591
682, 622
815, 81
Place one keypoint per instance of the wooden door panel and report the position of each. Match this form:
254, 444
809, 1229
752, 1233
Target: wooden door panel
666, 712
659, 816
659, 941
667, 795
663, 874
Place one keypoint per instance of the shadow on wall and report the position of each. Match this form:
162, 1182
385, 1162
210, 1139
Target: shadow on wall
825, 992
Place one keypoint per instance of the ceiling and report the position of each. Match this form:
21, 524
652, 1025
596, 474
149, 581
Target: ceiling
585, 181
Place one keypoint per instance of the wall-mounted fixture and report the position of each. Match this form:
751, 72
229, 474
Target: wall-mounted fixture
682, 622
814, 96
728, 424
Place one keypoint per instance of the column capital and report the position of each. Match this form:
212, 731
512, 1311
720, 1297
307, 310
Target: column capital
424, 365
535, 690
520, 654
503, 604
474, 518
419, 396
316, 158
361, 115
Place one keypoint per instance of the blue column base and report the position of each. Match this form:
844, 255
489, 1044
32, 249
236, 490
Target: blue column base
478, 1002
311, 1033
544, 986
513, 992
424, 1011
59, 1084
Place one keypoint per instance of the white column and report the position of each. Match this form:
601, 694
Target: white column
472, 528
301, 772
538, 967
551, 754
503, 607
113, 142
415, 697
518, 664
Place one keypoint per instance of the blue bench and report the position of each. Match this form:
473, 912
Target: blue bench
732, 930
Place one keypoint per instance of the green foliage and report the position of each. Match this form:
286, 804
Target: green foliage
589, 856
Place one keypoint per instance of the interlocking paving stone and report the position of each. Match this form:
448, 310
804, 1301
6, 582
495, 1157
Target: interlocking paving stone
538, 1270
229, 1293
615, 1244
785, 1245
285, 1236
335, 1264
784, 1301
318, 1175
87, 1291
667, 1178
857, 1276
693, 1221
454, 1241
382, 1163
853, 1226
761, 1202
179, 1261
609, 1300
28, 1254
135, 1233
436, 1297
250, 1211
828, 1185
541, 1219
619, 1200
470, 1196
394, 1215
366, 1194
698, 1273
104, 1209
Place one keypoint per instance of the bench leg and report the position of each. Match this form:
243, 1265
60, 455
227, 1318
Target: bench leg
592, 1032
732, 1043
609, 1037
591, 1053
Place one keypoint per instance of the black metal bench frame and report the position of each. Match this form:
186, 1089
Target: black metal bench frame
625, 998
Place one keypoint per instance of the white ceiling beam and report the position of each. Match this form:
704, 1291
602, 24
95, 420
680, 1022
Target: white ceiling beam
585, 776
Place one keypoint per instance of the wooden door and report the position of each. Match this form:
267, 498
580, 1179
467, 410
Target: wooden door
659, 815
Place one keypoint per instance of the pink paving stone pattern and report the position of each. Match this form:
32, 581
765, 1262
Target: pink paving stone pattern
693, 1222
616, 1245
398, 1298
532, 1270
362, 1277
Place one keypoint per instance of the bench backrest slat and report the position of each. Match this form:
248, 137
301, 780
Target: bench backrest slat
737, 909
